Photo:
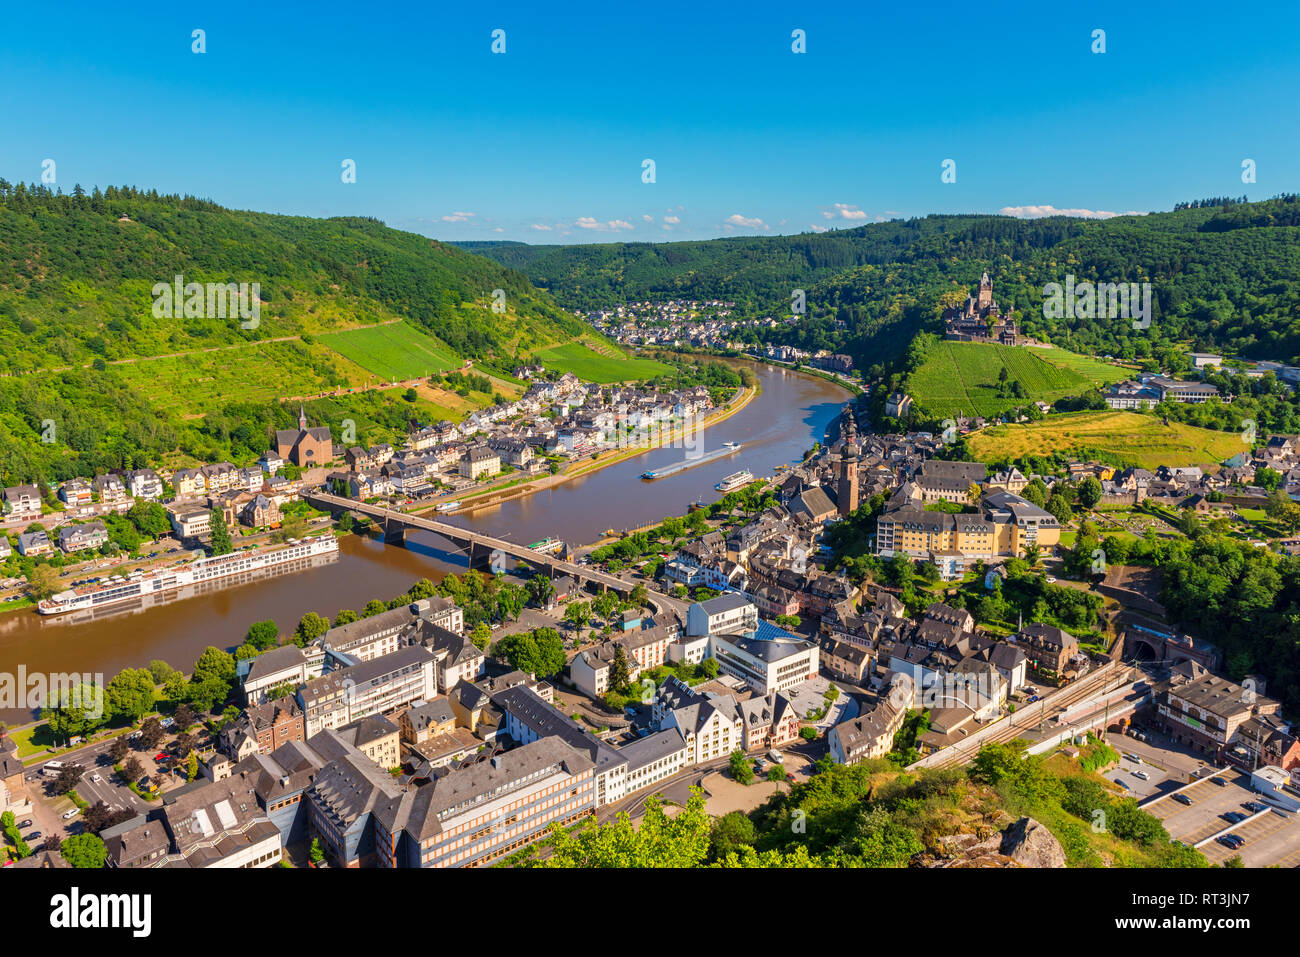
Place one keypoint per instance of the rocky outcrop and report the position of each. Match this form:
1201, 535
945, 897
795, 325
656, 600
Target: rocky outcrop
1030, 844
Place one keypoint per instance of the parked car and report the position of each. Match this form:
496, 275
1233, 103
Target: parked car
96, 779
1254, 807
33, 837
1234, 817
1123, 784
1183, 799
1219, 782
1133, 757
26, 823
776, 756
1142, 774
69, 815
161, 756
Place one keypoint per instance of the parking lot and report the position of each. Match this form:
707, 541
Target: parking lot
1272, 837
1139, 779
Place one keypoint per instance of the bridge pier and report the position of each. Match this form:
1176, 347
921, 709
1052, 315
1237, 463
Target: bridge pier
480, 557
394, 532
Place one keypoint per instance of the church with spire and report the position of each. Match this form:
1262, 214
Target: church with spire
305, 446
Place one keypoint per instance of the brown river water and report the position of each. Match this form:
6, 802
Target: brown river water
791, 413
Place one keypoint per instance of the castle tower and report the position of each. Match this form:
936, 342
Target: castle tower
986, 292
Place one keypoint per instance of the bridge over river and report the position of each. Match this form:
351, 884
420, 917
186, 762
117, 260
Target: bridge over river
485, 551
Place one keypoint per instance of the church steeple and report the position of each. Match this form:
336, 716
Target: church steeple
302, 417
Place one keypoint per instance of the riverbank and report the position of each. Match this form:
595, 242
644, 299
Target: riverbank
491, 499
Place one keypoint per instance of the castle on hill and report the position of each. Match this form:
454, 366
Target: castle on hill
980, 320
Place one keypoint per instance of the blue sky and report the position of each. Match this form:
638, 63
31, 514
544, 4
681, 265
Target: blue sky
545, 142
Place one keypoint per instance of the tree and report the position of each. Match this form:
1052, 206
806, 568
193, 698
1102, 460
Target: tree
316, 854
310, 627
75, 711
263, 634
151, 733
212, 678
119, 749
656, 841
605, 604
85, 851
132, 770
69, 777
346, 617
776, 773
639, 596
43, 581
729, 833
185, 717
99, 816
511, 599
740, 767
1090, 492
789, 622
618, 672
481, 636
1035, 492
373, 607
1060, 508
130, 694
577, 614
540, 589
540, 652
192, 766
220, 534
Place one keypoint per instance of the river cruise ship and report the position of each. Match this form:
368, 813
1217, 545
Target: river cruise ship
140, 584
735, 480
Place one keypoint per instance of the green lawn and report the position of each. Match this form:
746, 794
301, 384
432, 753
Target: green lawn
591, 366
963, 377
395, 351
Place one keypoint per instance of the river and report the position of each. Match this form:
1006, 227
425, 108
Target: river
791, 413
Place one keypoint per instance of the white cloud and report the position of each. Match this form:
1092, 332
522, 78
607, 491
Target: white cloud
672, 219
1038, 212
589, 222
735, 219
541, 226
458, 217
647, 218
818, 229
846, 211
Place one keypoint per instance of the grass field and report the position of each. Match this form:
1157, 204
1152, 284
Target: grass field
962, 377
591, 366
1098, 371
1128, 437
395, 351
195, 384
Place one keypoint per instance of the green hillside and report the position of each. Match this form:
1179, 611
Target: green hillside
1225, 275
976, 379
344, 303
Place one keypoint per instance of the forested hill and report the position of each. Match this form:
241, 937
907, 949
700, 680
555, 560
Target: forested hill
1225, 275
77, 273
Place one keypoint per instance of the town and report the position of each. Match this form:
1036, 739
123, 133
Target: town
875, 603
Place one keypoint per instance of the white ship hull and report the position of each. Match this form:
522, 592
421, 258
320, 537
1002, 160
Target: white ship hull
190, 577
